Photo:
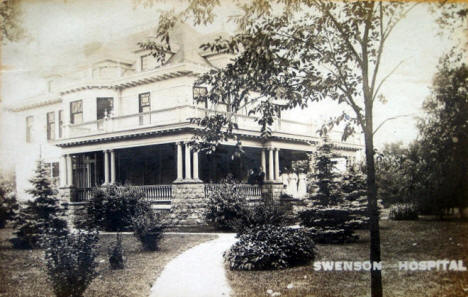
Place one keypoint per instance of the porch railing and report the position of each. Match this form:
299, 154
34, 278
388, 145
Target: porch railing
250, 191
151, 193
155, 193
82, 194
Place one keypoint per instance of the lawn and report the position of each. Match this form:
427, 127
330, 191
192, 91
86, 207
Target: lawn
22, 271
401, 241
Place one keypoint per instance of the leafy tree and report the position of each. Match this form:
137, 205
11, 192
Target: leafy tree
300, 51
10, 26
41, 215
444, 139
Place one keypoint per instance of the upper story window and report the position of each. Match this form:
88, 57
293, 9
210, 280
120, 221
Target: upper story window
51, 125
144, 103
104, 107
76, 112
29, 126
60, 123
144, 106
197, 93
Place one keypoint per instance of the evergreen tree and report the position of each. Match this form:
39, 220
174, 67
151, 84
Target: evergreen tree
41, 215
329, 215
8, 203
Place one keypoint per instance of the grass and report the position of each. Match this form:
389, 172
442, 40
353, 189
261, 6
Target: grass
401, 241
22, 271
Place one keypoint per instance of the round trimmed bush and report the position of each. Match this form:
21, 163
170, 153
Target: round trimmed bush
271, 247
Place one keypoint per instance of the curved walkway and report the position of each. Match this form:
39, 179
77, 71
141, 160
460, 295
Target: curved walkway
197, 272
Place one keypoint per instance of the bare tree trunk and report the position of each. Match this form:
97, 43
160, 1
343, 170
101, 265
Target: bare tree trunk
374, 229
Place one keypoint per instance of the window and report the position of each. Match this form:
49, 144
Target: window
144, 105
76, 112
29, 126
60, 123
144, 102
104, 107
197, 93
51, 125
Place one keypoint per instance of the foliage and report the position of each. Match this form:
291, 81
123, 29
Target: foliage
11, 28
331, 217
353, 186
266, 213
147, 228
397, 173
270, 247
113, 207
443, 166
116, 253
403, 211
226, 206
8, 203
41, 215
71, 262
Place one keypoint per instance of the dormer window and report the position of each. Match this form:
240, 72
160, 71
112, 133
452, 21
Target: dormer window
148, 62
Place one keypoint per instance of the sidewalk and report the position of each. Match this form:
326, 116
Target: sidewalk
198, 272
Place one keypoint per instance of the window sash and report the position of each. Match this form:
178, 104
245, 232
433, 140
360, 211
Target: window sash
51, 125
144, 102
104, 105
76, 112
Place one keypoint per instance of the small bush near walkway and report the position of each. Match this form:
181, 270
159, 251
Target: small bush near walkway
403, 211
116, 253
270, 247
147, 228
71, 262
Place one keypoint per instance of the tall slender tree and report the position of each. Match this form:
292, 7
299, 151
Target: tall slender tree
300, 51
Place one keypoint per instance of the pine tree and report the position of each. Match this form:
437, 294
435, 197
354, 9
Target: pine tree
355, 194
329, 215
41, 216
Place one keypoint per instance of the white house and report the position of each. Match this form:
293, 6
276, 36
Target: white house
124, 118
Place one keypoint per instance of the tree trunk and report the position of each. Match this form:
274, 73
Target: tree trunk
376, 275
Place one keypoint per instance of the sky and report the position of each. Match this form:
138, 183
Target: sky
58, 32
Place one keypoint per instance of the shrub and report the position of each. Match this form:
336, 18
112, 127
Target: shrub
116, 257
226, 206
71, 262
332, 224
147, 229
403, 211
42, 214
270, 247
262, 214
112, 208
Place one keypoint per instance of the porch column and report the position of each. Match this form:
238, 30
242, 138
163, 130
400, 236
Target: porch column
112, 166
270, 164
180, 168
188, 167
106, 167
69, 170
88, 172
63, 171
277, 164
263, 160
195, 166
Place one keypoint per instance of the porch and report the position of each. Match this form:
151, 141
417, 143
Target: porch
155, 169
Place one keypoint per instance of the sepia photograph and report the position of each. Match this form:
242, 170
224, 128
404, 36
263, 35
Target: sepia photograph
233, 148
